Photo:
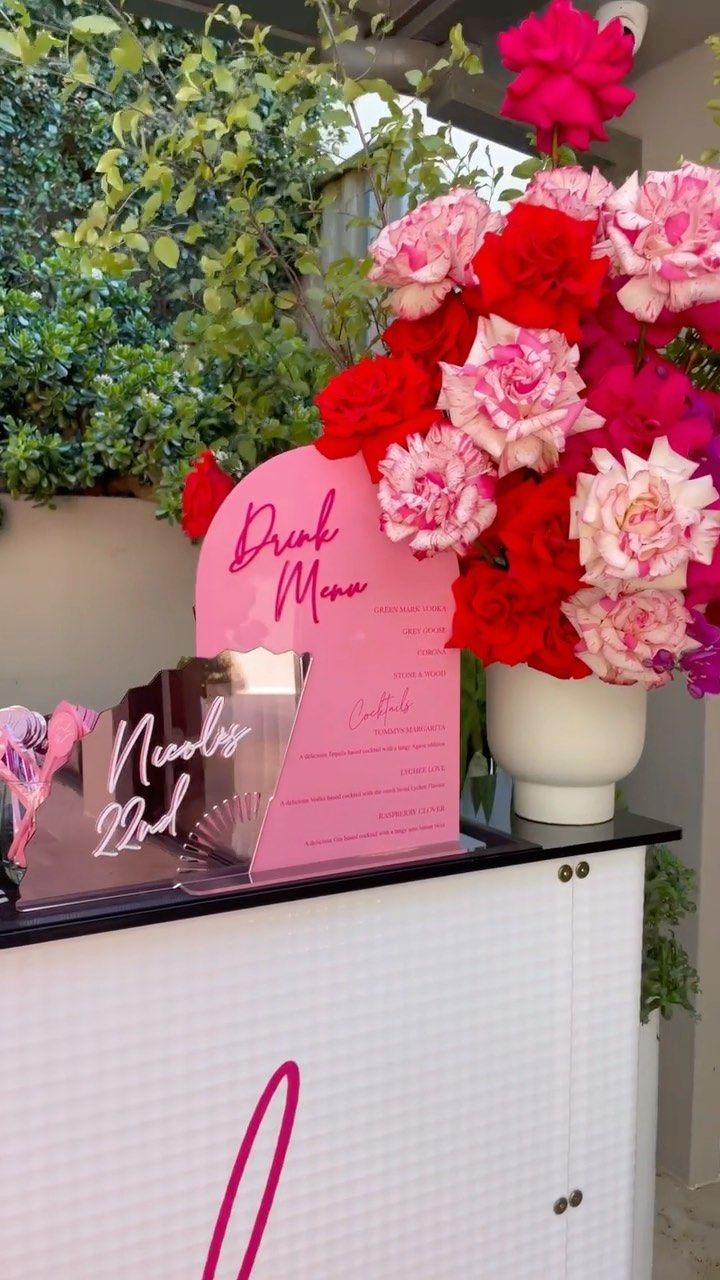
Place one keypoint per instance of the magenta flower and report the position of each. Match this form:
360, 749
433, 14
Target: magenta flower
519, 395
620, 635
644, 519
658, 401
438, 491
570, 74
638, 409
665, 235
702, 665
423, 255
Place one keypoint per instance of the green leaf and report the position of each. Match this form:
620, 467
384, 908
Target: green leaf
166, 251
415, 78
188, 93
10, 44
528, 168
457, 42
128, 53
224, 80
151, 207
108, 160
307, 264
94, 24
186, 199
511, 193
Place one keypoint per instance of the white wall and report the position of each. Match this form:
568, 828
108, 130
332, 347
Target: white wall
98, 598
679, 777
670, 112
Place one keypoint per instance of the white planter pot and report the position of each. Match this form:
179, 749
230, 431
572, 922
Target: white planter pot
646, 1148
97, 597
566, 743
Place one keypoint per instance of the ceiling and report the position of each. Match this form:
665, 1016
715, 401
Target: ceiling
674, 24
472, 103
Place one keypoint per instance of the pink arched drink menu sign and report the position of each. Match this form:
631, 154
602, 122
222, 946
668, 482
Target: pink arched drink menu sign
295, 560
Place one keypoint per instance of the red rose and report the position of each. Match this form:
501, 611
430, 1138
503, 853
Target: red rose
206, 488
378, 402
538, 271
533, 527
498, 616
446, 334
556, 656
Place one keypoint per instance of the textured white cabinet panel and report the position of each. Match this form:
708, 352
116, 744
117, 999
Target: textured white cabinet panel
431, 1025
607, 926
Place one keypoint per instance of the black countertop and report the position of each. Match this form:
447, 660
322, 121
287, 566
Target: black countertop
481, 848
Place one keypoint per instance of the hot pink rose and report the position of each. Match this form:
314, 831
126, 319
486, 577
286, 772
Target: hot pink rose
438, 491
703, 583
619, 635
423, 255
638, 408
518, 395
644, 520
577, 193
665, 235
570, 74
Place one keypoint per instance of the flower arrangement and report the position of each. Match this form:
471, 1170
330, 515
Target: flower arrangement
549, 405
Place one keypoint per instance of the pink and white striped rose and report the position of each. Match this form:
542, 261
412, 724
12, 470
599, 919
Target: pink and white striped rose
437, 491
425, 254
519, 395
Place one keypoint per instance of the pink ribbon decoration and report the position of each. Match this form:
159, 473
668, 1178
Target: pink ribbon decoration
28, 779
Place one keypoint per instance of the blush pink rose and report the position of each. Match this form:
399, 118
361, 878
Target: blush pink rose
519, 395
665, 235
643, 519
438, 491
422, 256
620, 635
577, 193
570, 74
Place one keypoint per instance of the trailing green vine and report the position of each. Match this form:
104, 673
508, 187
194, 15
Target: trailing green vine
669, 980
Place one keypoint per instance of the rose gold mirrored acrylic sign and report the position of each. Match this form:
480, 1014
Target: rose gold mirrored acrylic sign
295, 560
172, 785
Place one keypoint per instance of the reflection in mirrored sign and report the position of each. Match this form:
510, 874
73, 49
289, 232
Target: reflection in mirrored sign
172, 785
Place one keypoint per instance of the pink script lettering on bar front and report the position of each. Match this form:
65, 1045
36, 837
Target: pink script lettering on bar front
289, 1075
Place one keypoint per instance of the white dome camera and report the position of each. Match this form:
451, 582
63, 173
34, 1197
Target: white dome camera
632, 14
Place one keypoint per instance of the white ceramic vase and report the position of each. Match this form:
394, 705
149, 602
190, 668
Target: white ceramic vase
566, 743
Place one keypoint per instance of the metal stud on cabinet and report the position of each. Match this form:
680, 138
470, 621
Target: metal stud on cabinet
565, 873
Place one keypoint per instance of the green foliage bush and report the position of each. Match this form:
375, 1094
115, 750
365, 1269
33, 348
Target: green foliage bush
94, 396
196, 166
669, 980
